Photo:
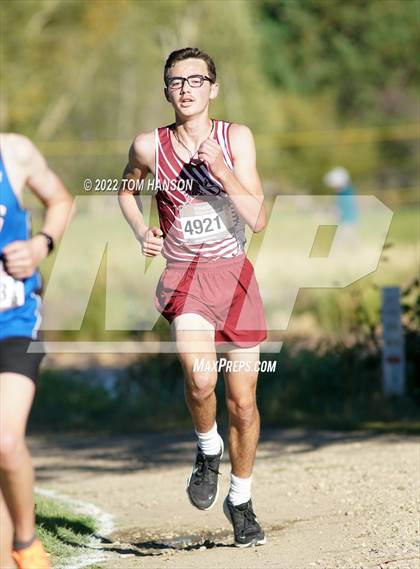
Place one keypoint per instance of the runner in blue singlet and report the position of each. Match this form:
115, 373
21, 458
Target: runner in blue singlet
21, 165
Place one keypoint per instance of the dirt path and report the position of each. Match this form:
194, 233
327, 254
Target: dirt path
326, 500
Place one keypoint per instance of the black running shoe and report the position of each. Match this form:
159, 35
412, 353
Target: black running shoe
203, 484
246, 528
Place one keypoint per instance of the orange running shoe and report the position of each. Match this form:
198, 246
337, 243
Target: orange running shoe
32, 557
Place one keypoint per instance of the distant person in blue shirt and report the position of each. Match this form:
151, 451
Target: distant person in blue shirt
339, 180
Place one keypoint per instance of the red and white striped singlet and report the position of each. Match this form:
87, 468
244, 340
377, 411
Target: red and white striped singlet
171, 169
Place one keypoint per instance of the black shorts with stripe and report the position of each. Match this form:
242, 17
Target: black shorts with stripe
14, 357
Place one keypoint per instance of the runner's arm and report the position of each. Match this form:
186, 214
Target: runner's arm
244, 180
50, 190
137, 170
140, 156
243, 183
23, 257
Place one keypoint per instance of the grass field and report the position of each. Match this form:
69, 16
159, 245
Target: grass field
62, 531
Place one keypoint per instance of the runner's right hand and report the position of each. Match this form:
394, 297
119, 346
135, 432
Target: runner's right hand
151, 242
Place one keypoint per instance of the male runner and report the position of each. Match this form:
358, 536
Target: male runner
22, 165
207, 291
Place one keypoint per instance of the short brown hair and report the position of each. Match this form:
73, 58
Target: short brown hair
189, 53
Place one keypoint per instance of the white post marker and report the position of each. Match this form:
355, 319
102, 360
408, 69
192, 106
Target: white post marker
393, 356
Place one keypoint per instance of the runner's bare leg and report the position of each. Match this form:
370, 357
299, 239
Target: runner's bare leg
194, 337
16, 470
6, 536
244, 417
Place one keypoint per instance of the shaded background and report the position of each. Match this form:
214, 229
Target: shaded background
321, 83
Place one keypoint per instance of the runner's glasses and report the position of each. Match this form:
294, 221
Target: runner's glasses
194, 81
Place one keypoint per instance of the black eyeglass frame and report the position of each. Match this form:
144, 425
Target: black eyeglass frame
187, 79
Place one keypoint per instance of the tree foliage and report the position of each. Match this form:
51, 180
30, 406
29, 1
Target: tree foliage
78, 71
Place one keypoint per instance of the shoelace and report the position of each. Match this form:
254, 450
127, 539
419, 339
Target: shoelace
249, 518
203, 468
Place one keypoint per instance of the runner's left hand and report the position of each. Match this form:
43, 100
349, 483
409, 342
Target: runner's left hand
211, 153
22, 258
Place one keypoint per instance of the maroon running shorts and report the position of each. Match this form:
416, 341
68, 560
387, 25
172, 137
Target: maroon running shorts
224, 292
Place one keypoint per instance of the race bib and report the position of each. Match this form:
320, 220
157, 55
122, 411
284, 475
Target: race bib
206, 222
12, 292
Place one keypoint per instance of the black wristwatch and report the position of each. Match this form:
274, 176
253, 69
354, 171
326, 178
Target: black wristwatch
50, 240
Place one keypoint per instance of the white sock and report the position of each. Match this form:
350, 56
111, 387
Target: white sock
239, 490
210, 442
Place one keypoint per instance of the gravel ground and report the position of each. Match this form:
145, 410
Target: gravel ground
328, 500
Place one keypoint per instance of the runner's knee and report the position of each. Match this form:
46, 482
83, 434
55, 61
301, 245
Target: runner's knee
201, 386
242, 410
12, 447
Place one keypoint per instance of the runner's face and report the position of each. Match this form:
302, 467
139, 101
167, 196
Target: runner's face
188, 101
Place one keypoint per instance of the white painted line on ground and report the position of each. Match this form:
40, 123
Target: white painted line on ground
105, 523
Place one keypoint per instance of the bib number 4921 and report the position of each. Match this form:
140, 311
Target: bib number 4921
206, 221
207, 225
